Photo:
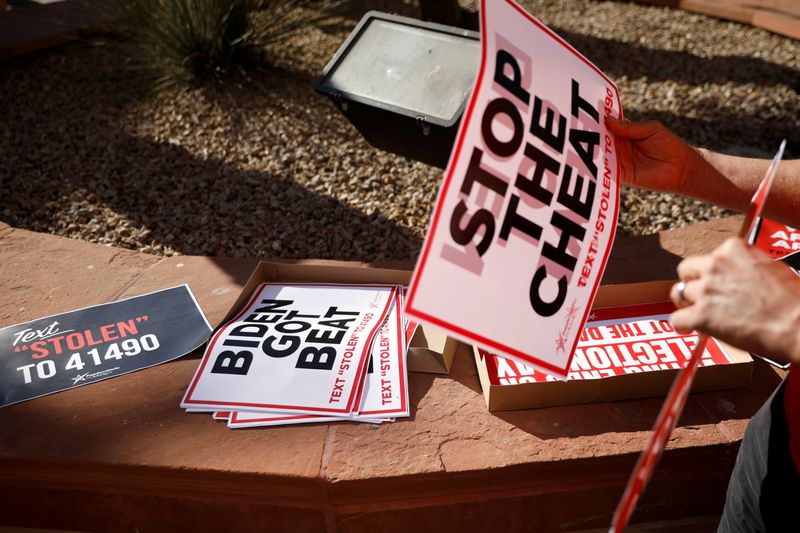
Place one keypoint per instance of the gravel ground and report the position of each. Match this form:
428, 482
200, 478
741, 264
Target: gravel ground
269, 168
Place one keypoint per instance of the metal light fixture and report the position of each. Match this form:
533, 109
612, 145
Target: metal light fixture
403, 83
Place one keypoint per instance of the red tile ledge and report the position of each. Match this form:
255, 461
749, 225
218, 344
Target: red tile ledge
120, 454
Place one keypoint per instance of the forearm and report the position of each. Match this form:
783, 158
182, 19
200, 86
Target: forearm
731, 181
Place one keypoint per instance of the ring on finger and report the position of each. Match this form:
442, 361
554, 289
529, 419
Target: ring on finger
680, 289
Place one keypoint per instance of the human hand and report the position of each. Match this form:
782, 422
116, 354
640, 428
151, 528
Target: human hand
651, 157
741, 296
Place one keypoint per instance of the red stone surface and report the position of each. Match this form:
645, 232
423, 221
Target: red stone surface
42, 275
778, 23
214, 281
120, 454
778, 16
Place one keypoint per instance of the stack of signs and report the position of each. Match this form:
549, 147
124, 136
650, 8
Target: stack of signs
617, 341
526, 215
310, 352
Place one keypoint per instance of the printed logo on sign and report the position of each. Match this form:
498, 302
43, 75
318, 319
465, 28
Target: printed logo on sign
374, 303
92, 375
564, 334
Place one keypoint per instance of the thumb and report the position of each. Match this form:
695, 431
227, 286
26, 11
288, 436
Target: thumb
685, 320
632, 130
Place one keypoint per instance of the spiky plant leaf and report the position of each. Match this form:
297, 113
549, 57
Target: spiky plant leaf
193, 41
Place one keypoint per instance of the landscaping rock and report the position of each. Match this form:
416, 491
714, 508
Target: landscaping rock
266, 167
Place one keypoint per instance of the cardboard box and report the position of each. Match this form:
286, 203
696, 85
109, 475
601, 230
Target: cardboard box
431, 350
653, 383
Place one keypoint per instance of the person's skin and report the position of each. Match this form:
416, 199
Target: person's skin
654, 158
737, 294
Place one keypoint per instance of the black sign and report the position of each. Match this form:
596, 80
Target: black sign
793, 260
60, 352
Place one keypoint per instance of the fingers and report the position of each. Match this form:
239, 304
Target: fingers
625, 158
685, 320
735, 249
685, 293
694, 267
632, 130
711, 296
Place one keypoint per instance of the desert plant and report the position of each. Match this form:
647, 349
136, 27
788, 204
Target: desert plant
190, 41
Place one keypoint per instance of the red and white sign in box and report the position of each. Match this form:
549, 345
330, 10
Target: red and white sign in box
624, 352
294, 348
775, 238
526, 215
615, 344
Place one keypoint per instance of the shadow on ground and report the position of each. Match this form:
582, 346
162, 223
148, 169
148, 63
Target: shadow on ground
93, 160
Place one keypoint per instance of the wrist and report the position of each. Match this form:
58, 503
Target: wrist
695, 171
709, 176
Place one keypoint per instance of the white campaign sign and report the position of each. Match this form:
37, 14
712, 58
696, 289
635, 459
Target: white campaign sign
385, 391
294, 348
527, 212
246, 419
386, 388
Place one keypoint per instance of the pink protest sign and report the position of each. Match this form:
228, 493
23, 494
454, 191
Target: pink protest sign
526, 215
